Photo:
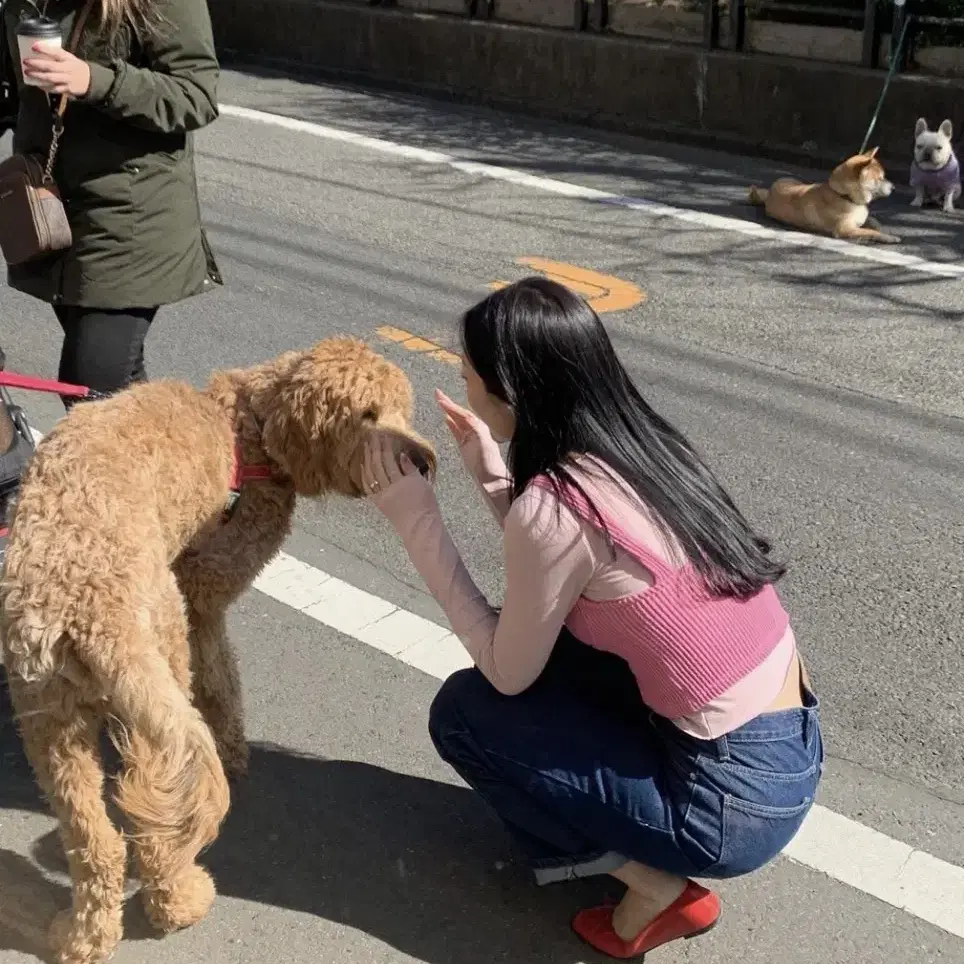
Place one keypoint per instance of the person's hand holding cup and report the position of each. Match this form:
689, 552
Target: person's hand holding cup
44, 62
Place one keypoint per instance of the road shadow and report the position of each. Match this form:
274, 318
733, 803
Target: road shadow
419, 864
686, 175
28, 899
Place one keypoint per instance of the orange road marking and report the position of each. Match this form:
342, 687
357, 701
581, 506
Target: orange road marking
418, 344
603, 291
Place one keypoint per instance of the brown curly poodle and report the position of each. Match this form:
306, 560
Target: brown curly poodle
124, 556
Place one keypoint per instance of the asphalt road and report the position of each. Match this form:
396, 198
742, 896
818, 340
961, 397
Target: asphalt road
828, 392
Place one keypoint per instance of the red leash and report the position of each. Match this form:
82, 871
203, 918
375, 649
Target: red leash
33, 384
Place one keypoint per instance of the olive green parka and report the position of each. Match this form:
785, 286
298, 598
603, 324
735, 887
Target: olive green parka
125, 168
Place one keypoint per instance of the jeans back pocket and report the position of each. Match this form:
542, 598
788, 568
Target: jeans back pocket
750, 796
753, 834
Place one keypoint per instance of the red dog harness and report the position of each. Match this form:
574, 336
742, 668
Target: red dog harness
241, 473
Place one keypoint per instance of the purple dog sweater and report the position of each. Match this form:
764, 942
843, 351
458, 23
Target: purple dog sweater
940, 181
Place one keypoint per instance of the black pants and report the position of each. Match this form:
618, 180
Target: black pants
103, 349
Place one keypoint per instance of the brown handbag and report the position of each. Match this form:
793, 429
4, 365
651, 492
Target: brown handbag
33, 221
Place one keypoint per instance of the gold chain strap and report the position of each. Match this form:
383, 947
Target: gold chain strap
58, 123
58, 131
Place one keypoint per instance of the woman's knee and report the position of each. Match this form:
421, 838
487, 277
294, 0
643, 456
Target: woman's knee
452, 711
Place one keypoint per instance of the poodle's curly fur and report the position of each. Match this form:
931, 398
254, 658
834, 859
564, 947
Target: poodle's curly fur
118, 575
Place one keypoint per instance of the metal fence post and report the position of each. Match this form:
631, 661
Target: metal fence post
738, 24
870, 48
898, 50
479, 9
598, 18
711, 24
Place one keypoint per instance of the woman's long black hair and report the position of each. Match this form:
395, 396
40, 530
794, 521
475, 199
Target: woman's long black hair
543, 350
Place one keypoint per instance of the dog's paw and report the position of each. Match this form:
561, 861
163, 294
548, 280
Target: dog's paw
72, 943
180, 902
917, 201
889, 238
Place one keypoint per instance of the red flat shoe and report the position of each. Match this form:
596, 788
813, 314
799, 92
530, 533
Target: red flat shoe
694, 912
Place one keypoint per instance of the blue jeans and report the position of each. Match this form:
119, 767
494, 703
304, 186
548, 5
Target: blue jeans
585, 777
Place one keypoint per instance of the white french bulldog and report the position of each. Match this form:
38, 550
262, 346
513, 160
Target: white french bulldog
935, 172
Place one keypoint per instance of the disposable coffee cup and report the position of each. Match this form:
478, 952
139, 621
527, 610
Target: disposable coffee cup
32, 30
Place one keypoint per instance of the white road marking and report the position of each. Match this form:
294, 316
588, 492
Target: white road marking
865, 859
715, 222
359, 614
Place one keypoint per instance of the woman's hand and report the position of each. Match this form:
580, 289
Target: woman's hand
478, 448
395, 485
59, 71
382, 468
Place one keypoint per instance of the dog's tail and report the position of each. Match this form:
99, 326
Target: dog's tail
173, 788
758, 196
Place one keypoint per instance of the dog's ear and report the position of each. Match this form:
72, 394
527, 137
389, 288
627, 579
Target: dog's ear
294, 413
287, 442
947, 129
920, 126
871, 154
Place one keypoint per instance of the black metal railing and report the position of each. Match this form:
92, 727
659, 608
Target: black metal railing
930, 21
874, 18
933, 22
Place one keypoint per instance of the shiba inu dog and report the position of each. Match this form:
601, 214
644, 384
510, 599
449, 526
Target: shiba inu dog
840, 206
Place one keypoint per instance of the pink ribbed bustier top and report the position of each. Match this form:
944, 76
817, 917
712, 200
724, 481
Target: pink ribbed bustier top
684, 645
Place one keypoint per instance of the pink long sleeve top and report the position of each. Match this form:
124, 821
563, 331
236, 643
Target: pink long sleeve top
710, 665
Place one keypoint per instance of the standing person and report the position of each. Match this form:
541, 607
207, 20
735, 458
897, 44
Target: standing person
638, 706
142, 79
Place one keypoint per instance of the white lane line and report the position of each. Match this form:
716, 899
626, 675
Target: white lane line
865, 859
367, 618
703, 219
892, 871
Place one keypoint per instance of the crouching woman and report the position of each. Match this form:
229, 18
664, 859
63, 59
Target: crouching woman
638, 707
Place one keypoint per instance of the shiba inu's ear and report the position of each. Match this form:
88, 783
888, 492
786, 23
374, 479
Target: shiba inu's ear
920, 127
854, 166
947, 129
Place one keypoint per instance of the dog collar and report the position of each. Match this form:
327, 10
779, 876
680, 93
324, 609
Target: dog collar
846, 197
241, 473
